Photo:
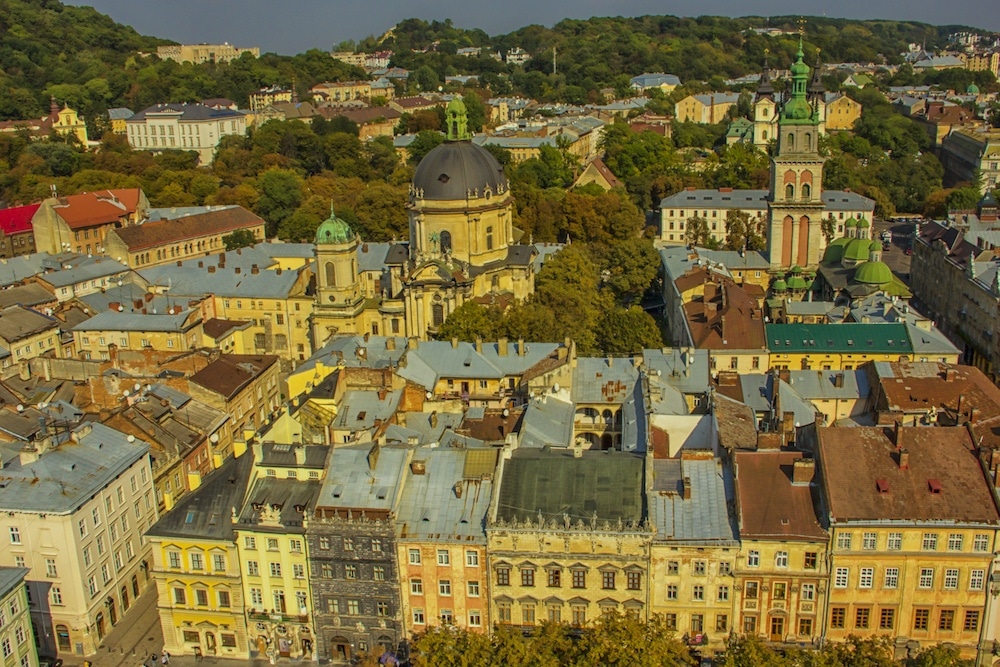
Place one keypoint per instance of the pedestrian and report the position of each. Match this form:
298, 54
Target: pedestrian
166, 658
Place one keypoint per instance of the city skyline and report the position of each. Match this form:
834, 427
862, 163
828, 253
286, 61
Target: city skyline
323, 23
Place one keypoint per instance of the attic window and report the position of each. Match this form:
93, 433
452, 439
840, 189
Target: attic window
882, 485
337, 491
361, 415
934, 485
189, 518
870, 343
890, 342
850, 342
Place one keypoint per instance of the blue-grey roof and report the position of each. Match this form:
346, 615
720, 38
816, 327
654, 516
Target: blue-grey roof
789, 401
356, 352
85, 269
600, 380
703, 518
176, 397
206, 512
371, 256
176, 212
654, 79
11, 578
514, 142
758, 391
822, 385
360, 408
718, 98
110, 320
190, 280
809, 307
756, 200
120, 113
548, 420
685, 369
352, 481
432, 360
735, 260
296, 500
430, 426
189, 112
678, 260
68, 475
429, 506
930, 341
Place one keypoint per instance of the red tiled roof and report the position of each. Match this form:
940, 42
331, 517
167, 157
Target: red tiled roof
771, 506
230, 373
96, 208
726, 318
150, 234
217, 328
17, 219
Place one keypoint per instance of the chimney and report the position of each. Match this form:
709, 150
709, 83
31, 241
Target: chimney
300, 455
412, 342
479, 344
434, 419
454, 342
838, 380
502, 347
686, 489
950, 374
211, 268
897, 435
254, 269
258, 452
577, 450
418, 467
238, 270
904, 459
973, 415
788, 422
457, 489
382, 393
520, 347
802, 471
390, 343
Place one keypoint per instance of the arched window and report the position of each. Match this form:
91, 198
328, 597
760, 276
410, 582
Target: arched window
809, 141
331, 274
789, 191
806, 190
489, 238
437, 314
791, 141
445, 241
764, 135
62, 637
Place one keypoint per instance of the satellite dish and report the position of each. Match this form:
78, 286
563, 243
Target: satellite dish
506, 412
131, 438
137, 387
20, 408
125, 393
555, 388
429, 394
214, 438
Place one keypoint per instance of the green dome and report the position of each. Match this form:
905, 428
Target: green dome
796, 270
972, 89
858, 250
835, 251
873, 273
797, 282
863, 223
851, 222
779, 285
334, 230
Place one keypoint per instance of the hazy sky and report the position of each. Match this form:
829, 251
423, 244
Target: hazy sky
292, 26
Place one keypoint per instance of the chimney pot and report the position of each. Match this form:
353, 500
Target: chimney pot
686, 492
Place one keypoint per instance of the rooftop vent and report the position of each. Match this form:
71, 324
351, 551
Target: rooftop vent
934, 485
882, 485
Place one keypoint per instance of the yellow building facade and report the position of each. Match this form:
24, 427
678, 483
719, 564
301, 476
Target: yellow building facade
842, 113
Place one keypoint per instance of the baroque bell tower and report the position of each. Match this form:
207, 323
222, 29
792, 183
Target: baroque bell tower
795, 205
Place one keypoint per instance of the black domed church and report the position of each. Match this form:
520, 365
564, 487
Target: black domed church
462, 246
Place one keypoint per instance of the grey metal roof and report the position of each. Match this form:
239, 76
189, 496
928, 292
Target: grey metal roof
554, 484
120, 113
704, 517
600, 380
685, 369
442, 504
371, 256
791, 401
351, 481
356, 352
756, 200
206, 512
285, 456
176, 212
17, 322
654, 79
176, 397
430, 427
16, 269
68, 475
114, 321
544, 252
455, 168
83, 270
28, 295
188, 112
360, 408
736, 260
548, 420
432, 360
190, 280
295, 499
758, 390
822, 385
808, 307
11, 578
930, 341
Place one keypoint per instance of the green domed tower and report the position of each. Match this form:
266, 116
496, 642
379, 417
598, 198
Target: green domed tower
338, 290
795, 204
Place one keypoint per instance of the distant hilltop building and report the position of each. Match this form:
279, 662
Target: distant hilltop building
186, 127
204, 53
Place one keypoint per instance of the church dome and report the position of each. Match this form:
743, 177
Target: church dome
453, 169
972, 89
779, 285
333, 230
851, 222
863, 223
797, 282
873, 273
858, 250
835, 251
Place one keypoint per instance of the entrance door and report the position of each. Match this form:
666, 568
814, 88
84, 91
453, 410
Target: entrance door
112, 610
341, 649
62, 637
210, 642
100, 626
124, 598
135, 585
777, 629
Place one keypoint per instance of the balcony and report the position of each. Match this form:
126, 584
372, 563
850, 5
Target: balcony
277, 617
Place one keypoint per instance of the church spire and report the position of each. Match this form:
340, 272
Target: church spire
797, 108
766, 88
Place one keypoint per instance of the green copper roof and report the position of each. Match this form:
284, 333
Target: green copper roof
858, 250
797, 282
845, 337
457, 119
835, 251
873, 273
779, 285
972, 89
796, 270
797, 110
333, 230
851, 222
863, 223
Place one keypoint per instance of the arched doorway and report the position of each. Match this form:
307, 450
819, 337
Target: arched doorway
340, 649
100, 626
62, 637
607, 441
124, 592
112, 610
135, 586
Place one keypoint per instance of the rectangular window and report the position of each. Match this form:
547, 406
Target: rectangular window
838, 617
971, 623
887, 619
868, 541
418, 616
809, 562
414, 556
781, 559
981, 542
55, 593
751, 590
753, 558
891, 579
197, 561
805, 627
472, 589
894, 542
201, 597
921, 619
926, 577
272, 544
671, 591
955, 542
844, 541
778, 590
350, 572
179, 596
840, 576
697, 623
353, 607
223, 599
50, 567
862, 617
633, 581
698, 593
865, 577
700, 568
808, 591
15, 535
503, 576
324, 543
378, 573
472, 559
250, 542
443, 557
528, 614
503, 612
749, 624
946, 621
416, 587
218, 562
976, 580
527, 576
951, 579
608, 581
253, 568
475, 619
553, 578
929, 543
298, 570
275, 569
257, 598
722, 623
672, 567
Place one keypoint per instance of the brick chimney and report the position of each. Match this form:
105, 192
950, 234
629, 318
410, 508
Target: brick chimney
802, 471
838, 380
904, 459
686, 489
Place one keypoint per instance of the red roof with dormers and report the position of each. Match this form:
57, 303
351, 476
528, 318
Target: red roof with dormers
96, 208
17, 220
